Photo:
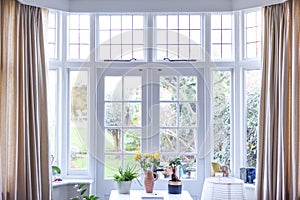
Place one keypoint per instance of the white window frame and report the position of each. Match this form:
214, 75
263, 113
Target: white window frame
95, 68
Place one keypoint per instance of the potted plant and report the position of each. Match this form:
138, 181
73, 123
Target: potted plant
81, 190
124, 178
174, 185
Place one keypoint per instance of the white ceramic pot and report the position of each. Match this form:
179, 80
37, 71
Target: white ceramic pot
124, 187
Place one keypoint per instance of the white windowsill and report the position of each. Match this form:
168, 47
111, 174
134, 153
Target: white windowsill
71, 181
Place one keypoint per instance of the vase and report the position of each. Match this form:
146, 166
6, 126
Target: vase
148, 181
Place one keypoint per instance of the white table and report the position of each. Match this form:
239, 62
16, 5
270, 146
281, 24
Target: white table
138, 194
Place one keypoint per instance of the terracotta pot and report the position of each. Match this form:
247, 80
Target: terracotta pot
149, 181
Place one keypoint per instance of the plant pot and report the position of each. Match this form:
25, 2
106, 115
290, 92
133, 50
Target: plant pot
124, 187
174, 187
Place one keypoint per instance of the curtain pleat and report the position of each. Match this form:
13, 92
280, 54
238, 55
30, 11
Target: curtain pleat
23, 104
278, 151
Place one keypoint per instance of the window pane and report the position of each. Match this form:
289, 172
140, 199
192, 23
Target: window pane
79, 37
52, 36
252, 99
176, 34
221, 37
122, 33
123, 120
178, 122
78, 119
221, 116
112, 163
253, 34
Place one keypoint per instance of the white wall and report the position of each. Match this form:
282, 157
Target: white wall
149, 5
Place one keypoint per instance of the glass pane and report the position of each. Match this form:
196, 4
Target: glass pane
74, 36
129, 161
184, 36
85, 36
84, 51
216, 22
161, 22
172, 37
127, 37
161, 37
195, 22
84, 22
173, 52
187, 140
78, 119
184, 22
132, 88
221, 116
51, 20
73, 21
104, 22
52, 103
216, 36
189, 167
251, 35
168, 88
138, 52
226, 36
127, 52
126, 22
51, 35
226, 22
216, 51
74, 51
116, 53
112, 163
132, 140
161, 52
132, 114
104, 37
252, 99
188, 114
104, 52
113, 114
195, 36
251, 19
172, 22
184, 51
168, 114
226, 51
195, 52
113, 140
138, 22
115, 22
138, 37
116, 37
188, 88
168, 140
251, 50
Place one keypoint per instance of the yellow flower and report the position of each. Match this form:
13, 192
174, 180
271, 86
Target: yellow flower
138, 156
146, 155
151, 157
157, 155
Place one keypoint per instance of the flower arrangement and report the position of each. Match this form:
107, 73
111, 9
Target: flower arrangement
148, 161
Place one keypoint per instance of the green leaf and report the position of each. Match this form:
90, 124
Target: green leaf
56, 168
83, 191
75, 198
81, 185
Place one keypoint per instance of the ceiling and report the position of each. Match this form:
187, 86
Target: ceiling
149, 5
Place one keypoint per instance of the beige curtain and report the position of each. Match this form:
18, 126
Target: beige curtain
23, 104
278, 175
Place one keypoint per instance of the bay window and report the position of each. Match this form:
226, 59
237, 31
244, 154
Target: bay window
184, 84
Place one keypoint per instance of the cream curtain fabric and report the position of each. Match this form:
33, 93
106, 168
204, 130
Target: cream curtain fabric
278, 175
24, 169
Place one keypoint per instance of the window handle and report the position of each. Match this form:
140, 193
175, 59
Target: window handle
111, 60
179, 60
